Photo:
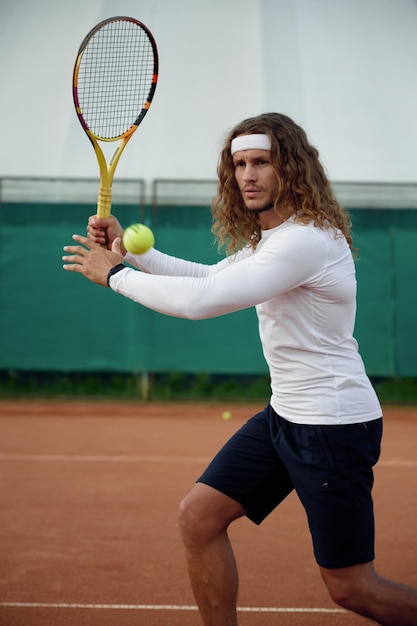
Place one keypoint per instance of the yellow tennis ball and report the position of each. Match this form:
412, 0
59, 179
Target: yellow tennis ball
138, 238
226, 415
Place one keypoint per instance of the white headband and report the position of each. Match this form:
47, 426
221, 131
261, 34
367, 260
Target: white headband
250, 142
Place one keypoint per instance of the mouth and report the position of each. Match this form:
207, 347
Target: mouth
251, 192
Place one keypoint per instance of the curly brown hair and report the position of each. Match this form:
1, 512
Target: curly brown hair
303, 186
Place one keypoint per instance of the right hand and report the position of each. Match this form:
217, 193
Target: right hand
104, 230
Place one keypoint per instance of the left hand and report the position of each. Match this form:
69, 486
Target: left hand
104, 230
91, 259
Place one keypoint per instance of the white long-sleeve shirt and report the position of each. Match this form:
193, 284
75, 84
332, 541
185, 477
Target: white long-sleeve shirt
301, 279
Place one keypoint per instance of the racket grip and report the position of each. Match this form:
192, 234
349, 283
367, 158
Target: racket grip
104, 202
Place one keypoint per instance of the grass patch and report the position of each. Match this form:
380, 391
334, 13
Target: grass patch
169, 386
160, 387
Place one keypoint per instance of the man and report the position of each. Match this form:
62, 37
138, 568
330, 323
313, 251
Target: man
289, 254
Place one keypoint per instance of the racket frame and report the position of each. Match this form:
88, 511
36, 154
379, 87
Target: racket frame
107, 170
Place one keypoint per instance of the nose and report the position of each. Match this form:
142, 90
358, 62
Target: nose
249, 173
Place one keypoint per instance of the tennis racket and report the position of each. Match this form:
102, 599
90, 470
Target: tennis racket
114, 80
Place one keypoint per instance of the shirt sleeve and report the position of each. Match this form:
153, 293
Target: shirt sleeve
193, 291
155, 262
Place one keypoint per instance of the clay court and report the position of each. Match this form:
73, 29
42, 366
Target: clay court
88, 516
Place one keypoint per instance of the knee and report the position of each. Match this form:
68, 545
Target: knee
194, 520
205, 513
351, 587
188, 515
341, 593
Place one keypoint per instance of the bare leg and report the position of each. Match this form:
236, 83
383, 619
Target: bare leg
362, 590
204, 517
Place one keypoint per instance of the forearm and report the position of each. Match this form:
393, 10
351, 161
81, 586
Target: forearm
177, 296
155, 262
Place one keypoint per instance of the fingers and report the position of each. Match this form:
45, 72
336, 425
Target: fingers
71, 267
103, 230
75, 262
85, 241
78, 253
90, 259
74, 258
96, 228
100, 222
116, 246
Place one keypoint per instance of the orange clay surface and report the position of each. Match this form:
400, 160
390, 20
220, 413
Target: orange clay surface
89, 497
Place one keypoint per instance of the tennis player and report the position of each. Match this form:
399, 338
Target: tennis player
289, 254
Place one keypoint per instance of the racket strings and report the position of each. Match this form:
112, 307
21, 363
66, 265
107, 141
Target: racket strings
115, 78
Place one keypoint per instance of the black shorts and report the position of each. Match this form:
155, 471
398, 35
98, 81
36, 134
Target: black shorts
330, 467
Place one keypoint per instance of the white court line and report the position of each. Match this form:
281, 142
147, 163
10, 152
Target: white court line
164, 607
111, 458
398, 463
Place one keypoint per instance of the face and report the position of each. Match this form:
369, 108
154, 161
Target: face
256, 178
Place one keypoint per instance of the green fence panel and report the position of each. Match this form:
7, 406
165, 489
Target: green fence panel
387, 293
405, 329
375, 304
53, 320
57, 321
50, 319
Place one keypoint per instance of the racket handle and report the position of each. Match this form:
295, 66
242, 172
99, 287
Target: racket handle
104, 202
